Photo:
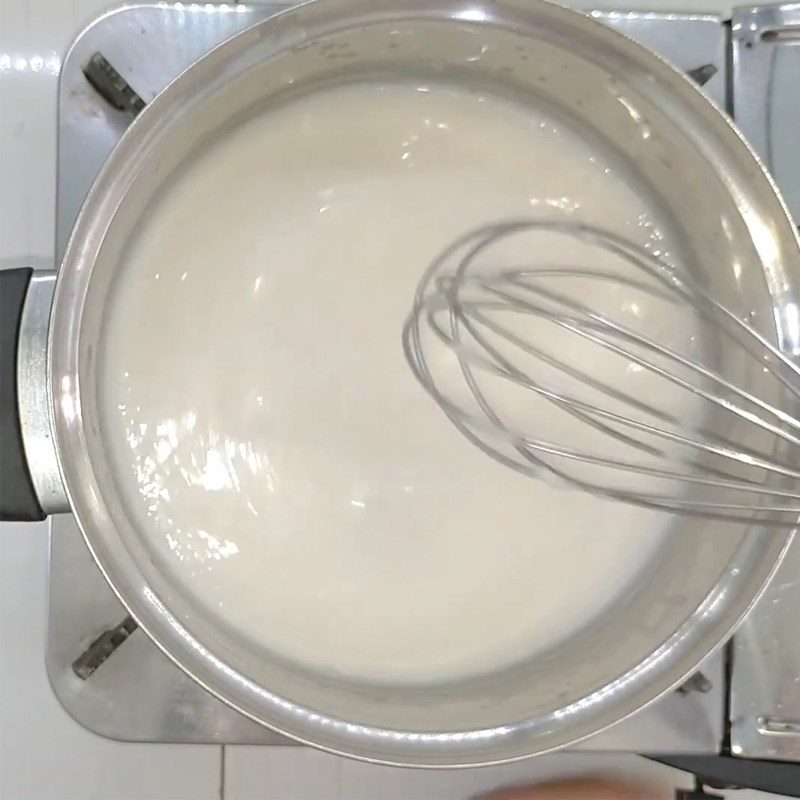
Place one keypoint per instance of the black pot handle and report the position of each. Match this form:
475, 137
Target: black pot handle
18, 499
724, 771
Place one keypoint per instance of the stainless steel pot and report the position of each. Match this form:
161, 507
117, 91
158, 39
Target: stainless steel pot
735, 235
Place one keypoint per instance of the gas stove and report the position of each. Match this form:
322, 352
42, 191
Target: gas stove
113, 680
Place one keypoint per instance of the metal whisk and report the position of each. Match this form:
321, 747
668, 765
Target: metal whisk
558, 371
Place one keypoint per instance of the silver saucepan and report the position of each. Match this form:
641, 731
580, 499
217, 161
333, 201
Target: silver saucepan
735, 234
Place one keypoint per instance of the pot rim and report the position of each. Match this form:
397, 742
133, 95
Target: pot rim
705, 630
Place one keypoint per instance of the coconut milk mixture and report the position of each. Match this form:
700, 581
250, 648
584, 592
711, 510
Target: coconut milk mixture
273, 446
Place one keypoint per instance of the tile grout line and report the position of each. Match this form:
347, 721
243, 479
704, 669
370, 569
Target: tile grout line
222, 772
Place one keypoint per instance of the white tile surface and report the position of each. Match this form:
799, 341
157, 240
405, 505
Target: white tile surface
253, 773
281, 773
43, 753
294, 773
363, 781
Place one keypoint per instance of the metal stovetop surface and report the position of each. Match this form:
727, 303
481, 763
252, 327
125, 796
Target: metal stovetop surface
129, 690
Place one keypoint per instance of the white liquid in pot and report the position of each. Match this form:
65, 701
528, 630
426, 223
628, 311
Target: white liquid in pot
270, 439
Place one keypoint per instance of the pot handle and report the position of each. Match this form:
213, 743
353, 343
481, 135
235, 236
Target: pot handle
18, 500
26, 495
